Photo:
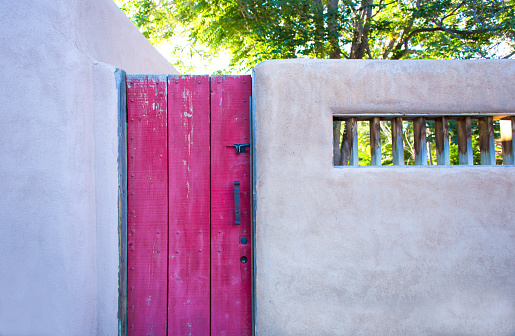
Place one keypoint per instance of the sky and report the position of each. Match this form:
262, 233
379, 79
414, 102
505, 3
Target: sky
194, 63
199, 66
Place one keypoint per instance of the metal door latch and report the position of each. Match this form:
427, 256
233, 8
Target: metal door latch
240, 148
237, 209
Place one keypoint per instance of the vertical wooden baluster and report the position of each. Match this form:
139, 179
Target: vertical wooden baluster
337, 156
486, 140
443, 156
465, 141
375, 141
351, 128
397, 142
419, 134
507, 131
512, 140
512, 152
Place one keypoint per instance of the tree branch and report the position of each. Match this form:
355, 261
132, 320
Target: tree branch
469, 32
509, 55
380, 7
453, 11
361, 28
367, 47
454, 32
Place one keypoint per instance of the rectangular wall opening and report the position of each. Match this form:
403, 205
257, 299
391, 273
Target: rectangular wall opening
423, 140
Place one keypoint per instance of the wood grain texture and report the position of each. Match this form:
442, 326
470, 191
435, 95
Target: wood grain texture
375, 141
147, 205
419, 141
465, 141
189, 204
397, 141
443, 156
486, 140
351, 128
337, 153
231, 303
121, 85
507, 132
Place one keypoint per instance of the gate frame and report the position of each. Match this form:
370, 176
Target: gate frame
253, 201
121, 85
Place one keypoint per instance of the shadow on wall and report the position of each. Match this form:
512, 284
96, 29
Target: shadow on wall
59, 154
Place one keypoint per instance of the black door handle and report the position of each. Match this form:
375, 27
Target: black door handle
240, 148
237, 209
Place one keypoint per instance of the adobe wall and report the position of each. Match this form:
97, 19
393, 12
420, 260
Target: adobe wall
379, 251
59, 151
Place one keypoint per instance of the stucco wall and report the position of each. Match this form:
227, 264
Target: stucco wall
379, 251
58, 166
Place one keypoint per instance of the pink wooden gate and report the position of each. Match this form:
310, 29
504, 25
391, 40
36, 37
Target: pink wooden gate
189, 231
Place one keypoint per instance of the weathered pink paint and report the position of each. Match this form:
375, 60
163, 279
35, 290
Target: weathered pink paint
189, 264
189, 204
147, 205
231, 306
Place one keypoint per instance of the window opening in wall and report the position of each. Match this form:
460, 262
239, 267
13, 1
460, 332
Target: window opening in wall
407, 143
386, 142
363, 136
422, 140
430, 138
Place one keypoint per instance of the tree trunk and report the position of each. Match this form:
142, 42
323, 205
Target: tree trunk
319, 28
332, 9
341, 151
361, 28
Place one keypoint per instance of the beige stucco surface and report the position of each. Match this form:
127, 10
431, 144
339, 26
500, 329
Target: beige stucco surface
58, 162
379, 251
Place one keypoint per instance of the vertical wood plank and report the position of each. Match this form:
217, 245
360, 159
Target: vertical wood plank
512, 140
397, 142
486, 140
147, 205
375, 141
507, 131
189, 204
231, 303
465, 141
419, 140
351, 128
443, 156
121, 85
337, 153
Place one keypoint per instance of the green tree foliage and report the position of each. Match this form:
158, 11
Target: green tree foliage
257, 30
